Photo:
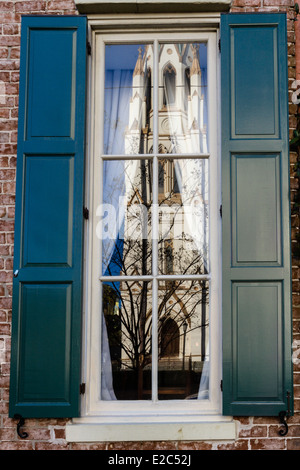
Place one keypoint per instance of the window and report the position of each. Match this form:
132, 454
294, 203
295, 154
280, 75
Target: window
185, 292
156, 227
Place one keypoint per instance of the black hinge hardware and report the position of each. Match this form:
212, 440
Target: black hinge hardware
89, 48
283, 415
282, 419
221, 210
219, 44
85, 213
21, 423
82, 389
221, 385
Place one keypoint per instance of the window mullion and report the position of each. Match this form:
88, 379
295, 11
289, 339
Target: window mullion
155, 230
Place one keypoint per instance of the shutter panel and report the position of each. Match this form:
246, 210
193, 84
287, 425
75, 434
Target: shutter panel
47, 291
257, 367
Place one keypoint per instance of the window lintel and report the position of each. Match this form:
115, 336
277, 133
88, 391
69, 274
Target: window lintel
151, 6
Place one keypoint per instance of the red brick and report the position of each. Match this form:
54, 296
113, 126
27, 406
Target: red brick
7, 434
60, 433
238, 445
38, 433
6, 16
86, 446
4, 137
15, 53
7, 175
61, 5
7, 6
8, 125
267, 444
9, 41
293, 444
242, 3
9, 64
16, 445
194, 446
12, 89
3, 52
11, 29
50, 446
5, 276
4, 113
30, 6
10, 238
7, 198
9, 188
4, 162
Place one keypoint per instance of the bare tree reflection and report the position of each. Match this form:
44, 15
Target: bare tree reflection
127, 305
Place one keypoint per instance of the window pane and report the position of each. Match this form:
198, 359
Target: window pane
183, 340
125, 217
128, 105
183, 98
126, 340
183, 217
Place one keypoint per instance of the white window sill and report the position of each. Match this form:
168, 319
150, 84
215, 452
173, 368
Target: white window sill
106, 432
150, 6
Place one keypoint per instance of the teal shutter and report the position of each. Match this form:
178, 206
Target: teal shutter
257, 367
47, 291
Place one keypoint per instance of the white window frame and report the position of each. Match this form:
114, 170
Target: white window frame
158, 420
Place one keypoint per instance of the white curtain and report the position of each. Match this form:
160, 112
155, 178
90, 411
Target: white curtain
113, 189
117, 99
118, 178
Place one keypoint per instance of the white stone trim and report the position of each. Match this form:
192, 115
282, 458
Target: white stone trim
94, 432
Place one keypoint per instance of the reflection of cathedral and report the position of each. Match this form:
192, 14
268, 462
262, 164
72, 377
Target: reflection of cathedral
182, 310
181, 123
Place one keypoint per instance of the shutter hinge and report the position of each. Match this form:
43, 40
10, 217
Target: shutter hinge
20, 424
283, 415
219, 44
82, 389
89, 48
221, 385
221, 210
86, 213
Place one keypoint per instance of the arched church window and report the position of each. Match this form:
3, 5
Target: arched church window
169, 338
148, 96
187, 86
169, 77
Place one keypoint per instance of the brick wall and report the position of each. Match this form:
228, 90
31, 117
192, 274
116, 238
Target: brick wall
254, 433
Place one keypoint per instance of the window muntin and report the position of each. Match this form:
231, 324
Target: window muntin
155, 276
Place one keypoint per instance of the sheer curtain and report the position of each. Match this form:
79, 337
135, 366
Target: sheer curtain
118, 178
117, 98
